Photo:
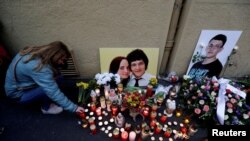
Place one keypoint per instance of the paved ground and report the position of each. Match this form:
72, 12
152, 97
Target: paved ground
27, 123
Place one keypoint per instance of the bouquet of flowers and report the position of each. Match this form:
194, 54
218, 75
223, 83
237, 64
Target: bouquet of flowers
107, 79
85, 89
199, 98
134, 101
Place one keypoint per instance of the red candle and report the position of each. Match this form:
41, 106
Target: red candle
183, 130
168, 132
92, 106
124, 136
98, 111
116, 133
149, 91
153, 115
163, 118
91, 121
158, 129
145, 113
114, 110
93, 129
153, 123
81, 115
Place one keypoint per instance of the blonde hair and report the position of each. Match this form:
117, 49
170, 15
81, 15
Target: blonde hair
48, 54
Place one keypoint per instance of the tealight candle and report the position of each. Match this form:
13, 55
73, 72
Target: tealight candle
160, 138
106, 131
111, 120
87, 117
91, 113
105, 122
103, 128
169, 123
86, 110
91, 121
110, 135
186, 120
109, 127
175, 123
181, 124
152, 138
100, 118
100, 123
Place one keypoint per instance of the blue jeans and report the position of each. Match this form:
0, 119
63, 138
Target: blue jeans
33, 95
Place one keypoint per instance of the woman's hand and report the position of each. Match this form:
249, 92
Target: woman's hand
79, 109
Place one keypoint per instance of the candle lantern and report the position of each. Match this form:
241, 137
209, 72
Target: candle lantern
145, 111
93, 96
153, 115
98, 111
102, 101
116, 133
93, 106
124, 136
127, 126
163, 118
168, 132
132, 136
93, 129
149, 92
154, 107
91, 121
153, 123
170, 107
84, 123
114, 109
158, 128
183, 130
97, 91
81, 115
120, 88
108, 102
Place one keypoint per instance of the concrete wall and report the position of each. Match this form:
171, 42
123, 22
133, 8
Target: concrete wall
215, 15
86, 26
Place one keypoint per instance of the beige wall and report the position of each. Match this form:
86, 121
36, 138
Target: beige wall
218, 15
86, 25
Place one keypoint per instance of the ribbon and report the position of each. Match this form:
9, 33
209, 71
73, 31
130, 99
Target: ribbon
221, 98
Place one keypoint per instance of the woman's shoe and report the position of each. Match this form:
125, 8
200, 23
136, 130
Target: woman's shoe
53, 109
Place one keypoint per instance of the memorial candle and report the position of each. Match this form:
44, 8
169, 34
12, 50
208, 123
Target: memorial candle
124, 136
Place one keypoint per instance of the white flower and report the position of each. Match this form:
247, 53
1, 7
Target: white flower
106, 78
240, 104
245, 116
230, 110
201, 102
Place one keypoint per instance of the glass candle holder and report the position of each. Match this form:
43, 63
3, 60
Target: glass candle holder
153, 123
102, 101
93, 129
163, 118
186, 120
98, 111
91, 121
84, 123
145, 112
120, 88
154, 107
97, 91
124, 136
158, 129
153, 115
114, 109
132, 136
93, 106
81, 115
178, 112
108, 102
127, 126
168, 132
116, 133
149, 92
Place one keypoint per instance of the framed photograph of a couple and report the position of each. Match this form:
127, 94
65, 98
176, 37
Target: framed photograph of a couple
211, 53
107, 54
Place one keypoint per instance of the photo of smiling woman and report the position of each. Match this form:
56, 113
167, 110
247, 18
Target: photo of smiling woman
219, 47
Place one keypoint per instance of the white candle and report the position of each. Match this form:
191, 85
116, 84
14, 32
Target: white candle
132, 136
